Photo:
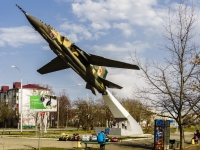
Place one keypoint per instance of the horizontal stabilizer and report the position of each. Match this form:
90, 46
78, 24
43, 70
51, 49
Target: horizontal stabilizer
55, 65
101, 61
110, 84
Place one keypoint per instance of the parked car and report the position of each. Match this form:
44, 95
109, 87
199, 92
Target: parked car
63, 137
75, 137
85, 138
114, 139
107, 138
93, 137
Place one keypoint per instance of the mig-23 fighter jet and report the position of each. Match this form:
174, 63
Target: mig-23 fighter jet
90, 67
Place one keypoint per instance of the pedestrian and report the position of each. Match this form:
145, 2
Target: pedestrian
114, 122
125, 125
111, 123
117, 124
101, 138
122, 124
195, 138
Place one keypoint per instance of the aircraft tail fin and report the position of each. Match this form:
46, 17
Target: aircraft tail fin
110, 84
101, 71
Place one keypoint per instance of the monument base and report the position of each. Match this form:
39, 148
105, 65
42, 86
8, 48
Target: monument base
122, 116
113, 131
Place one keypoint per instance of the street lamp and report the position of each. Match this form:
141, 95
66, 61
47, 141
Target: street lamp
21, 96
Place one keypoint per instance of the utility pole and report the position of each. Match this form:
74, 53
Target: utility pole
67, 106
58, 114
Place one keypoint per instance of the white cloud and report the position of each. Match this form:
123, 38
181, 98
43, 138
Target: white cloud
139, 46
2, 53
100, 25
132, 17
46, 47
2, 43
14, 53
10, 53
18, 36
142, 13
80, 30
68, 0
73, 37
127, 80
125, 27
97, 34
127, 46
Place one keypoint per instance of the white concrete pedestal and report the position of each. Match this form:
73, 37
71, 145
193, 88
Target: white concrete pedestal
121, 114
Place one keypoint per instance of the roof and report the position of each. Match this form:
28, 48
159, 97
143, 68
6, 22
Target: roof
27, 86
33, 86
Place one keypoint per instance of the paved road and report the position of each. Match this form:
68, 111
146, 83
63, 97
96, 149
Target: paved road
8, 143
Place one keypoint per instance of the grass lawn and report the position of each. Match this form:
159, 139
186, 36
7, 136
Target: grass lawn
48, 148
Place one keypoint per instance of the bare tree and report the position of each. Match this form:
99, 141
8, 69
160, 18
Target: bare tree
169, 82
90, 113
140, 111
103, 113
64, 108
134, 107
82, 112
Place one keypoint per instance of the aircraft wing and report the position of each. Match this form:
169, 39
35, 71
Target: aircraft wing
54, 65
101, 61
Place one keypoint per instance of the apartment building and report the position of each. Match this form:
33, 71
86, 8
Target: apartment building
11, 105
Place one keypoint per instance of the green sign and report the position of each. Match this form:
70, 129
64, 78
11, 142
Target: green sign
43, 103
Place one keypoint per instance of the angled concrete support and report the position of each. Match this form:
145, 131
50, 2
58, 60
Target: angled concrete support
121, 114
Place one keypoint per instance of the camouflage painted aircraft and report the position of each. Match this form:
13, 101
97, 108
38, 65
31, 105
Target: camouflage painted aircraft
88, 66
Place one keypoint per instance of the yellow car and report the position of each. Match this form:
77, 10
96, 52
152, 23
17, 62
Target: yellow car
63, 137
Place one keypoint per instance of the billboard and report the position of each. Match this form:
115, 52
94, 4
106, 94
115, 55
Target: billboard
161, 134
43, 103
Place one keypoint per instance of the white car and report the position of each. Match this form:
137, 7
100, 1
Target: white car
94, 137
85, 138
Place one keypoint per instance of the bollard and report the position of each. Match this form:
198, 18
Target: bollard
79, 144
192, 142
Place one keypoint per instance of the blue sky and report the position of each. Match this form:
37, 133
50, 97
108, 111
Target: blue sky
109, 28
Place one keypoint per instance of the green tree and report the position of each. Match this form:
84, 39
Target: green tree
6, 114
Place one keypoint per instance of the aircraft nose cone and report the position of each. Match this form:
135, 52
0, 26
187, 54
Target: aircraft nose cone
33, 21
